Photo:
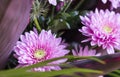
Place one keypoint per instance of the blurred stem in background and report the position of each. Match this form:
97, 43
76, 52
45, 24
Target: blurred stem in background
36, 7
53, 10
67, 6
79, 4
37, 23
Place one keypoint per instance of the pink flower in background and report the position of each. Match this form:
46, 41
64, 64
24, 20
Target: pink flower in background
115, 3
80, 51
53, 2
103, 29
104, 1
34, 48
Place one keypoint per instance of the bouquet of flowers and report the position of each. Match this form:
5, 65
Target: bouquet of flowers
60, 38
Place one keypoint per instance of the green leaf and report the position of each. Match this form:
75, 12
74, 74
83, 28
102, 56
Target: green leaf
69, 57
117, 71
23, 73
113, 75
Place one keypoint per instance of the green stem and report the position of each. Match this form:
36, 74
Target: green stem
52, 14
37, 23
67, 6
79, 4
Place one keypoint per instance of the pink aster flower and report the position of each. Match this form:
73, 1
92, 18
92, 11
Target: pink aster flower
115, 3
80, 51
53, 2
103, 29
34, 48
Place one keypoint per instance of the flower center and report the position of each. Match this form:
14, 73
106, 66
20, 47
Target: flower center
39, 54
107, 29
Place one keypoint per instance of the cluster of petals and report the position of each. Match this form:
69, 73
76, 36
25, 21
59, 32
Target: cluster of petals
115, 3
80, 51
53, 2
103, 29
33, 48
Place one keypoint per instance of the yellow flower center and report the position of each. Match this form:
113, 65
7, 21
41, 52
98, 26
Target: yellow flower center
107, 29
39, 54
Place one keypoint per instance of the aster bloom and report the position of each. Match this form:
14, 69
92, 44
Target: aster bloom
80, 51
34, 48
115, 3
53, 2
104, 1
103, 29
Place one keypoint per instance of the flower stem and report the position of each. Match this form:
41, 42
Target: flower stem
79, 4
52, 14
37, 23
67, 6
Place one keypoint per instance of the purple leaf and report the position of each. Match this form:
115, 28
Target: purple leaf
112, 62
14, 17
